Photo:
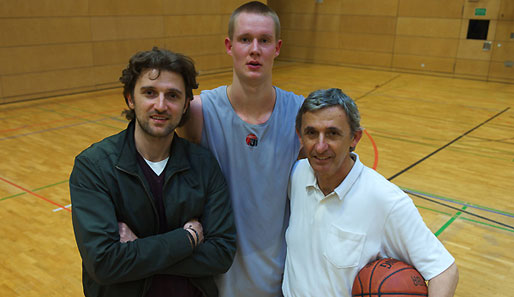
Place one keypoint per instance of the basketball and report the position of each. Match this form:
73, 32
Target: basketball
389, 277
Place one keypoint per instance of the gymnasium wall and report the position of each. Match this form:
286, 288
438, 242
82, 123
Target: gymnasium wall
60, 46
402, 35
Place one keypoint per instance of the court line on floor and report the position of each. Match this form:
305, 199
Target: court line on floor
446, 145
35, 190
52, 122
449, 222
378, 86
58, 128
375, 149
476, 206
32, 193
462, 210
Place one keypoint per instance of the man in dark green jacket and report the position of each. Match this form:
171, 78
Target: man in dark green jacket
151, 211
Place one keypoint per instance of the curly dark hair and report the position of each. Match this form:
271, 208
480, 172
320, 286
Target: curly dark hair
161, 60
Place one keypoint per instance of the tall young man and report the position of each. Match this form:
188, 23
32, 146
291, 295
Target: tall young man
151, 211
249, 127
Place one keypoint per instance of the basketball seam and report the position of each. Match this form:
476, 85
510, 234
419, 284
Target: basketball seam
371, 275
382, 282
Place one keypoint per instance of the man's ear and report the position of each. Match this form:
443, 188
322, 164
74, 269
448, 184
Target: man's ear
278, 46
356, 138
301, 153
228, 45
186, 105
299, 136
130, 101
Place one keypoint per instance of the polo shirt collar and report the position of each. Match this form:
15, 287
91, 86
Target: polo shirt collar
344, 187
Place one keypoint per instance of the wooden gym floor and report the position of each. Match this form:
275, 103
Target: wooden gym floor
448, 142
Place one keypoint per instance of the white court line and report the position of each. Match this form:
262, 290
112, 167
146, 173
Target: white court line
60, 208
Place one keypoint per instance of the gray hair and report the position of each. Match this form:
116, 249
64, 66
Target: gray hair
327, 98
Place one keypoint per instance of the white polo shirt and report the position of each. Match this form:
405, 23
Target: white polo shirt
330, 238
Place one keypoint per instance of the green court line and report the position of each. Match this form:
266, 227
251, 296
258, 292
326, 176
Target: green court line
466, 219
450, 221
487, 224
434, 210
460, 202
12, 196
40, 188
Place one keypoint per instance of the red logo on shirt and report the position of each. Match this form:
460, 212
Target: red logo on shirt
251, 140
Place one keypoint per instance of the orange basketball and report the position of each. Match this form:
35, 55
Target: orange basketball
389, 277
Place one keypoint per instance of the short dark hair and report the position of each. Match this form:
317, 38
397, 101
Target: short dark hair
327, 98
161, 60
255, 7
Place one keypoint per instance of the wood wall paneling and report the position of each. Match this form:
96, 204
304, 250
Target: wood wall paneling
37, 83
365, 58
423, 46
502, 51
312, 22
324, 39
108, 75
38, 8
367, 42
492, 9
472, 49
504, 29
312, 39
45, 57
306, 6
226, 62
292, 52
126, 27
477, 68
368, 24
195, 7
428, 27
36, 31
432, 8
498, 71
120, 51
326, 55
423, 63
125, 7
210, 62
506, 10
195, 45
369, 7
184, 25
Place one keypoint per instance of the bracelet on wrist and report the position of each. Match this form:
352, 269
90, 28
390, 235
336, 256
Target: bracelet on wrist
197, 237
191, 238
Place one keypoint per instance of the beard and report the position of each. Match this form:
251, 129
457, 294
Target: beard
157, 131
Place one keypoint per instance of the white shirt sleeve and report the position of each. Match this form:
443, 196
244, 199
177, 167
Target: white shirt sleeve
407, 238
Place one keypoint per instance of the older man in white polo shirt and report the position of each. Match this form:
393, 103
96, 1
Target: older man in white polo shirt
344, 214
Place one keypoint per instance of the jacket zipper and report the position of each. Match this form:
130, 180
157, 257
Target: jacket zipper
147, 281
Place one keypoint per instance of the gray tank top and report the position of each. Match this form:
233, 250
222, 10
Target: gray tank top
256, 161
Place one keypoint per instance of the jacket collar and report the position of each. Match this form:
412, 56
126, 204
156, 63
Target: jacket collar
178, 161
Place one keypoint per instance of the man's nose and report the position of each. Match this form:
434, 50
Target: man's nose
321, 144
254, 47
160, 105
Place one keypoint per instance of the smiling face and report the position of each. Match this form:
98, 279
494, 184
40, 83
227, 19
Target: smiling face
254, 46
159, 102
326, 138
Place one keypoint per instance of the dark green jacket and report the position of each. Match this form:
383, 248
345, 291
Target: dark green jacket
107, 186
